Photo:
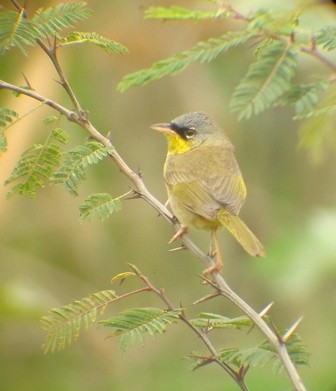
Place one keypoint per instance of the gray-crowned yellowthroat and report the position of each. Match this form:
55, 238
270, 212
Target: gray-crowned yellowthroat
205, 186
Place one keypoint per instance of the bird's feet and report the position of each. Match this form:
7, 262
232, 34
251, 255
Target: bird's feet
216, 267
183, 230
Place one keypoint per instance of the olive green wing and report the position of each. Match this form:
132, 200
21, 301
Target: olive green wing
194, 197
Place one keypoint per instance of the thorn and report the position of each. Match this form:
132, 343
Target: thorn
210, 282
291, 330
177, 248
27, 82
133, 196
264, 311
205, 298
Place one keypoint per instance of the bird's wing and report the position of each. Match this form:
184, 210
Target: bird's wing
195, 186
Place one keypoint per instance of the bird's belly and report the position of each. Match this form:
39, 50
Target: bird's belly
189, 218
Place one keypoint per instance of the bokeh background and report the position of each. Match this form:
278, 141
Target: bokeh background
48, 258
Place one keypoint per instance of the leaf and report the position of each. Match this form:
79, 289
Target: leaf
202, 52
134, 323
267, 79
304, 97
267, 22
52, 20
122, 276
264, 354
99, 204
327, 37
178, 13
75, 161
35, 166
108, 45
211, 321
16, 31
7, 117
317, 134
63, 325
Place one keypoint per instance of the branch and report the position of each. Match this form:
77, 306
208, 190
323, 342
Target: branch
142, 192
236, 376
51, 53
312, 50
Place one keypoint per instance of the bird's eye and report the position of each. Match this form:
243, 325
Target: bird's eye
190, 132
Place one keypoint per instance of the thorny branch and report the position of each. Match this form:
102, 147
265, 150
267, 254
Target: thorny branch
238, 377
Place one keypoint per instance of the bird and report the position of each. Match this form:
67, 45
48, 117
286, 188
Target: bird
205, 186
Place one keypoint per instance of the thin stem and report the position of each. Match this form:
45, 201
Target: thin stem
51, 53
318, 55
236, 376
277, 342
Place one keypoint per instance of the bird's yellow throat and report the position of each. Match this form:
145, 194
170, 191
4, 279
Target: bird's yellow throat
176, 144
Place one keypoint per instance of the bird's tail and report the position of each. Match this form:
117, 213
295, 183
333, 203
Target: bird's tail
242, 233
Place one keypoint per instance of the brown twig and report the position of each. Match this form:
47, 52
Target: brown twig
238, 377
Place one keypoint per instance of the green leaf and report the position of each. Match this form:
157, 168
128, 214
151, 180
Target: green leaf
267, 22
327, 37
35, 167
63, 324
122, 276
108, 45
52, 20
317, 134
16, 31
264, 354
134, 323
304, 97
178, 13
203, 52
72, 171
209, 321
267, 79
100, 205
7, 117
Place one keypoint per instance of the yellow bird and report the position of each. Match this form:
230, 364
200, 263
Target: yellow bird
205, 186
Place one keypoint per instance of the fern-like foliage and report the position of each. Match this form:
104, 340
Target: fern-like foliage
267, 79
100, 205
327, 37
108, 45
7, 117
133, 324
264, 354
72, 171
37, 164
256, 356
304, 97
16, 31
178, 13
203, 52
318, 132
63, 325
209, 321
49, 22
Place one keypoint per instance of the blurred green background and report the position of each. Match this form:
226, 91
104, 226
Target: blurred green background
48, 258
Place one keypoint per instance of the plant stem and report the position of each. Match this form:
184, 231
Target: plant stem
236, 376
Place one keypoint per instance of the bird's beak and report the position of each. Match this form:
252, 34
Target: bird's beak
163, 128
